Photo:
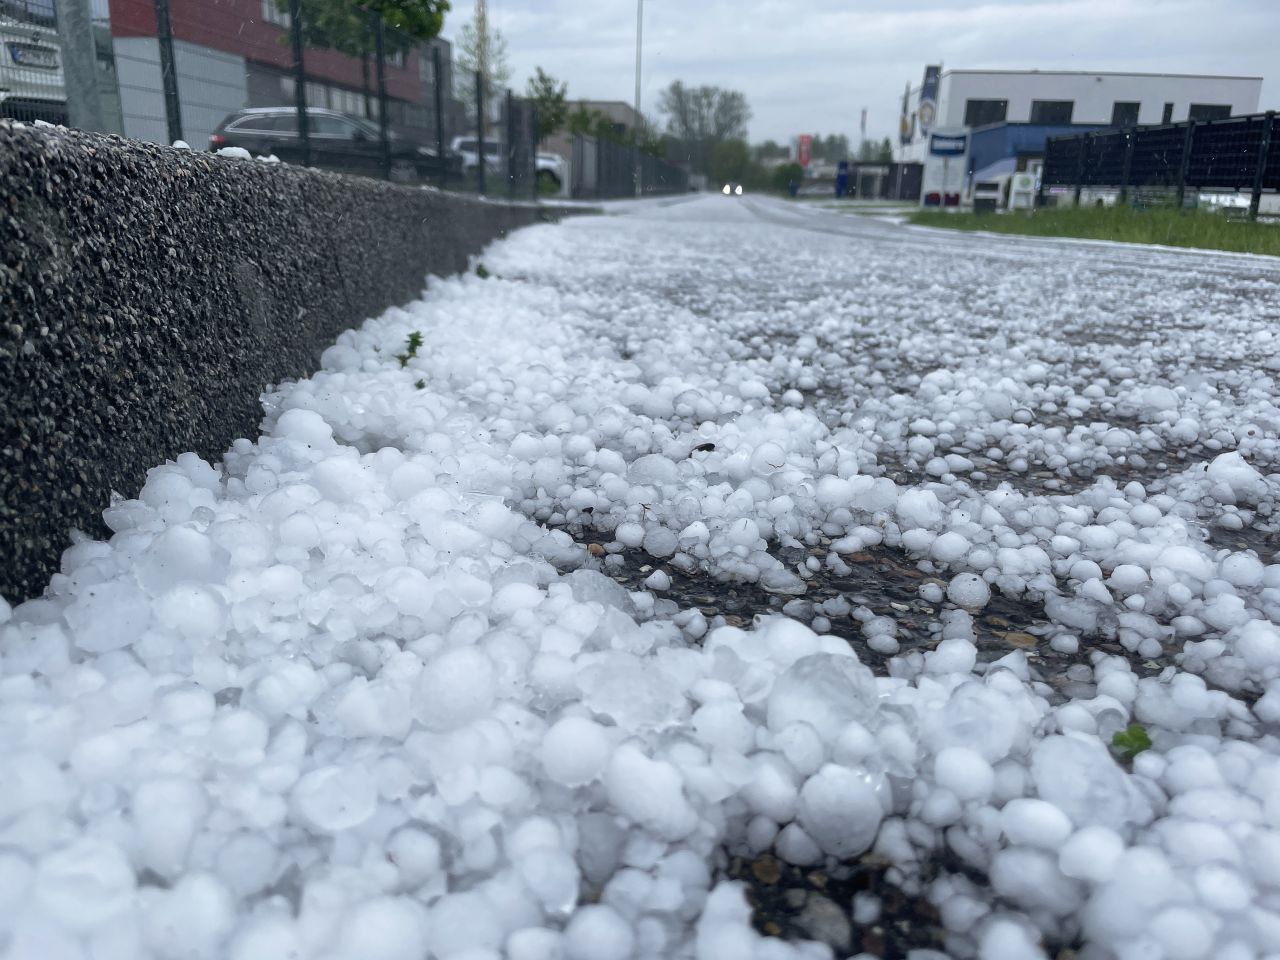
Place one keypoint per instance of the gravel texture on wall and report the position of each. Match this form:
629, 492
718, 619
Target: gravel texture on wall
149, 295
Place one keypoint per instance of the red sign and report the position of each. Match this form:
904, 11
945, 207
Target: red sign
805, 149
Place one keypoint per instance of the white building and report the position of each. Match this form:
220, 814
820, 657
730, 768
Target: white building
1061, 99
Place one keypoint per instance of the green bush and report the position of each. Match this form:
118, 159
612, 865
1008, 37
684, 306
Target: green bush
782, 176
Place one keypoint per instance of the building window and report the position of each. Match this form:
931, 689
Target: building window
1167, 115
1052, 111
979, 113
273, 14
1124, 114
395, 59
1209, 111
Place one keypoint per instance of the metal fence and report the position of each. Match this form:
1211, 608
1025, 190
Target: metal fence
1238, 153
361, 98
602, 169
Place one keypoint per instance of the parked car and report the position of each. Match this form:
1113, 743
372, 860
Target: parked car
469, 149
338, 142
550, 171
31, 82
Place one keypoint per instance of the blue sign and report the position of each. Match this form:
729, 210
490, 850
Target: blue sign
943, 145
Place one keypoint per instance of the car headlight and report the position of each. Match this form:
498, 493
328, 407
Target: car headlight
726, 191
738, 189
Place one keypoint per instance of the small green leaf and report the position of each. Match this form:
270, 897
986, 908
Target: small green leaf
421, 384
1131, 741
411, 348
482, 272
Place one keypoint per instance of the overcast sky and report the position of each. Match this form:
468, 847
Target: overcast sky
810, 66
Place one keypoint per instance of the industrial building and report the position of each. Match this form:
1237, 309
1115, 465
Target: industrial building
1006, 116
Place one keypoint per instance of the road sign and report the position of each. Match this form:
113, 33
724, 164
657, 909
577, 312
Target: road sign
948, 145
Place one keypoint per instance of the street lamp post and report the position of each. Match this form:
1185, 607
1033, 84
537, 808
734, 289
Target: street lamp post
639, 119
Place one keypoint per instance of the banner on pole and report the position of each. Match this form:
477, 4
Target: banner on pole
927, 111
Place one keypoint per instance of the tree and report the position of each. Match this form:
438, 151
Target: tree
784, 174
348, 28
649, 137
698, 118
871, 152
835, 148
729, 161
550, 106
771, 150
482, 50
581, 120
420, 19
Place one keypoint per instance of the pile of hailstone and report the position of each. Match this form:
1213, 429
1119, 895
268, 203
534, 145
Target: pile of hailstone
351, 693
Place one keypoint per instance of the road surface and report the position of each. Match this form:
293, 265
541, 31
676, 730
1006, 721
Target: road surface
721, 577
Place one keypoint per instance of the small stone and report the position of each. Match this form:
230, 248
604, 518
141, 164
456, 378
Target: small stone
1016, 638
595, 549
827, 923
767, 870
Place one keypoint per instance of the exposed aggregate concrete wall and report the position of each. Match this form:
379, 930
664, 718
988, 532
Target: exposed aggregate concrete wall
148, 296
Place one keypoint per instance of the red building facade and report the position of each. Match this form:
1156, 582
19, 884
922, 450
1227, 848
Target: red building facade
235, 53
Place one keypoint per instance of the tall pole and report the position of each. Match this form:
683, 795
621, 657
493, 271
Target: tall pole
480, 149
299, 80
639, 120
384, 133
168, 72
442, 158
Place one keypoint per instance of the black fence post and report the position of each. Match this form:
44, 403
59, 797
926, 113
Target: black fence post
1084, 156
1264, 150
511, 144
533, 148
1126, 170
380, 54
480, 159
1185, 164
299, 80
442, 158
168, 72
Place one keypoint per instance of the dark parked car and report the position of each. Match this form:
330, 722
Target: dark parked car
338, 142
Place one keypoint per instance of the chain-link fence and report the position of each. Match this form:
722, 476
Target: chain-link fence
353, 95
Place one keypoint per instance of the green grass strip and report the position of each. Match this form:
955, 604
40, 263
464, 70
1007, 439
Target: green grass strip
1175, 228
